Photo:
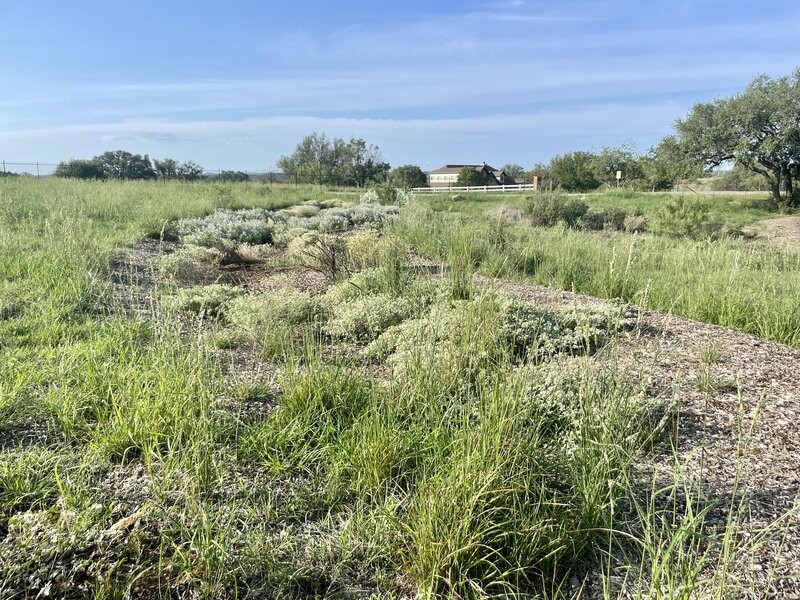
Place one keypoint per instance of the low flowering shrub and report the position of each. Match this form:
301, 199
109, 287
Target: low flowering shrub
224, 228
366, 317
363, 283
532, 332
256, 313
372, 215
190, 263
302, 210
491, 329
207, 301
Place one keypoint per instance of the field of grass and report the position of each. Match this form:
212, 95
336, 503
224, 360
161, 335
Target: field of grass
733, 282
393, 434
734, 211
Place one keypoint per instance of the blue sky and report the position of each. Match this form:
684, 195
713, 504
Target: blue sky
237, 84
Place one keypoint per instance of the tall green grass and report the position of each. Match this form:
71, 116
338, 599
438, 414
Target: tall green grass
472, 475
735, 283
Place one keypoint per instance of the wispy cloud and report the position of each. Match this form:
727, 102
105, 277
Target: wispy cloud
520, 135
510, 76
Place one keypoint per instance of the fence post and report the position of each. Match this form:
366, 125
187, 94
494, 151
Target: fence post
37, 169
4, 166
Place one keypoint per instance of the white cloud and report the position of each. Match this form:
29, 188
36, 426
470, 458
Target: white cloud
519, 77
424, 141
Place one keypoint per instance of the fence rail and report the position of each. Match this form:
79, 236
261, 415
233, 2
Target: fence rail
34, 169
477, 188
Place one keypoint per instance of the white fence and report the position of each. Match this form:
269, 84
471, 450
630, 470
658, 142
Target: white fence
477, 188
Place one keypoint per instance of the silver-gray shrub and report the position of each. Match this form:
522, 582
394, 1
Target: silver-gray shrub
366, 317
224, 228
209, 301
190, 263
256, 313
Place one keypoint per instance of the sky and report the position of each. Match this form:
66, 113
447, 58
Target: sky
235, 85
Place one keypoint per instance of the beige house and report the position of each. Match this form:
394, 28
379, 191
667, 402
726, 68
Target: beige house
447, 175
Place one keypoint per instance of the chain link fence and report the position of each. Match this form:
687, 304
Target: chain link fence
33, 169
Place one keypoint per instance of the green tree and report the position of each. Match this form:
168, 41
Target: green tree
514, 170
317, 159
79, 169
575, 171
363, 164
166, 169
189, 171
408, 176
668, 163
758, 129
172, 169
119, 164
471, 176
624, 159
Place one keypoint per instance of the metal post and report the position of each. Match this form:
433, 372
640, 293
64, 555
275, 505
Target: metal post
37, 169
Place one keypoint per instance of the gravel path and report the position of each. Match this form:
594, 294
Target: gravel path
737, 430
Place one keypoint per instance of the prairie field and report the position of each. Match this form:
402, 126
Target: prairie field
273, 391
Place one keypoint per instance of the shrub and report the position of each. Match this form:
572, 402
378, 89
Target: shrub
366, 317
257, 313
614, 218
611, 218
387, 194
592, 220
190, 263
547, 208
210, 301
302, 210
325, 254
370, 215
682, 217
635, 223
223, 228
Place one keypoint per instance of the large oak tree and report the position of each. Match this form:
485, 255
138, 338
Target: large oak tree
758, 129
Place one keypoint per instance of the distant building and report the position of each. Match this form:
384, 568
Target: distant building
447, 175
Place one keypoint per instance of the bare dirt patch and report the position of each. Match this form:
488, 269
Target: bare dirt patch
782, 231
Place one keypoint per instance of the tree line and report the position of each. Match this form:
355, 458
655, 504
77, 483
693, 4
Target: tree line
660, 168
120, 164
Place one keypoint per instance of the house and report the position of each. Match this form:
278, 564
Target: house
447, 175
